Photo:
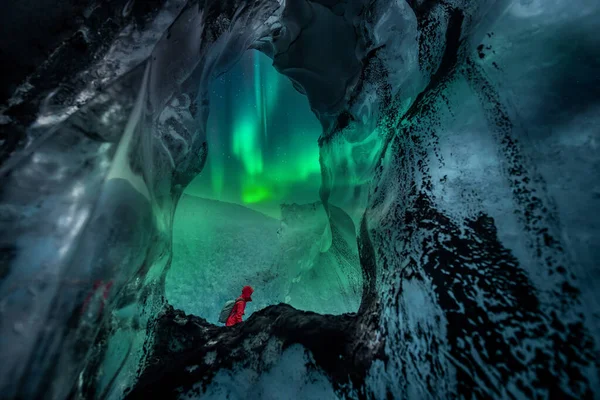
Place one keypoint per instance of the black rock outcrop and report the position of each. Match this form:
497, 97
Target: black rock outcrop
187, 350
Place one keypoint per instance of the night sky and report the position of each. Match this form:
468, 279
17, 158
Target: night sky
262, 140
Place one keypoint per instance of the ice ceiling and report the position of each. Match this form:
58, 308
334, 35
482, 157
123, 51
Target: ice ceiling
459, 169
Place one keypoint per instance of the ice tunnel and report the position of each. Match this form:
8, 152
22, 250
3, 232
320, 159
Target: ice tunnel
458, 161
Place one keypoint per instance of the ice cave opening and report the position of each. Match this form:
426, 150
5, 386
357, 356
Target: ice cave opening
458, 163
253, 216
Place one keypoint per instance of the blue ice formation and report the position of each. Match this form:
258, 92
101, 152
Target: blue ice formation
459, 145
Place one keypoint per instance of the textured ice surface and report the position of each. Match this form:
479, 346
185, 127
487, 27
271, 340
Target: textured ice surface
459, 144
291, 376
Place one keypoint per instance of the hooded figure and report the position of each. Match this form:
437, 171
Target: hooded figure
240, 306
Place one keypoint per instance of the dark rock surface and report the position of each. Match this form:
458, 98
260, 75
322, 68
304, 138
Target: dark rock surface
187, 350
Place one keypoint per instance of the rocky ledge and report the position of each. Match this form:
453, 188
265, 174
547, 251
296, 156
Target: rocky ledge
186, 351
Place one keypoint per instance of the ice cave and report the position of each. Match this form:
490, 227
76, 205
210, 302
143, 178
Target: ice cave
410, 187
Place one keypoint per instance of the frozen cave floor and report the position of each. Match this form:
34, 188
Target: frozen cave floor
187, 352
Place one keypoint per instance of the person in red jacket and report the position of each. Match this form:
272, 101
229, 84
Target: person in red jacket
240, 305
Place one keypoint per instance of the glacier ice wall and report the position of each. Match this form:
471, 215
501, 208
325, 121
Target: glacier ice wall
459, 139
132, 120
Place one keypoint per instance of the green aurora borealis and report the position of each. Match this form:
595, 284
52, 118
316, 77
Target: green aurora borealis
262, 139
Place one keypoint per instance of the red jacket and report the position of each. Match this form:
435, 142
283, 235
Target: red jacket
98, 285
239, 307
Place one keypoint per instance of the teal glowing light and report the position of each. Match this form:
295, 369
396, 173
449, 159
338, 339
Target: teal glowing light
255, 194
247, 145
